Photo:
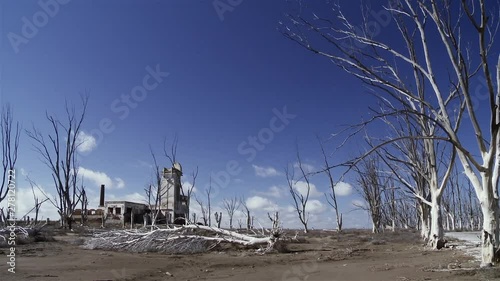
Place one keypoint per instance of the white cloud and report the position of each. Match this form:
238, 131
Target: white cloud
24, 202
86, 142
265, 172
315, 207
134, 197
343, 189
119, 183
301, 187
308, 168
186, 186
98, 178
260, 203
274, 191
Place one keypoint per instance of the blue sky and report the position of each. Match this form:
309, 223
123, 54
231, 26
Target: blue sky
227, 77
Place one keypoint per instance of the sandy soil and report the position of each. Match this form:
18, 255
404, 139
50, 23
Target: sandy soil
354, 255
471, 242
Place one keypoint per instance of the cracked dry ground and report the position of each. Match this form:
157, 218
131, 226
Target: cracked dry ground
352, 255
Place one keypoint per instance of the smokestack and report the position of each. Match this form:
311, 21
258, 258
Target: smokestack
101, 199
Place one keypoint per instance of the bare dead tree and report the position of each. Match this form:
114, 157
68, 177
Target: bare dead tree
406, 213
157, 191
427, 161
426, 29
371, 186
457, 198
208, 192
84, 205
331, 197
460, 206
275, 219
172, 155
473, 209
218, 218
188, 239
59, 154
189, 191
246, 211
300, 197
406, 159
390, 207
38, 203
230, 205
150, 201
153, 198
204, 211
10, 143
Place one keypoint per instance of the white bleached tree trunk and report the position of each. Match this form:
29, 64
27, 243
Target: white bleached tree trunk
436, 188
450, 45
436, 232
424, 221
371, 184
415, 163
489, 207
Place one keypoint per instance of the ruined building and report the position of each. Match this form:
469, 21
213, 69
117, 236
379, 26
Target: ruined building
121, 212
173, 205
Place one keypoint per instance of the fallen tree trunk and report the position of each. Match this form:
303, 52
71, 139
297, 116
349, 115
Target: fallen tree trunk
188, 239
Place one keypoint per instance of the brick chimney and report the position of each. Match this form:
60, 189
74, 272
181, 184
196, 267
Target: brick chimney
101, 198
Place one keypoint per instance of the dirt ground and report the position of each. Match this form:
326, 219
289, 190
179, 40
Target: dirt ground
352, 255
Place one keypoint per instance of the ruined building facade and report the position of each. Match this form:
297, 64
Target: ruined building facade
173, 205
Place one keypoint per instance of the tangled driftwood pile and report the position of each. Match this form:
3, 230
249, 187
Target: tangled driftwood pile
16, 235
188, 239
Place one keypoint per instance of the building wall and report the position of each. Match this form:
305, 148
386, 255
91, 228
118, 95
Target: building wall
168, 184
121, 211
171, 200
